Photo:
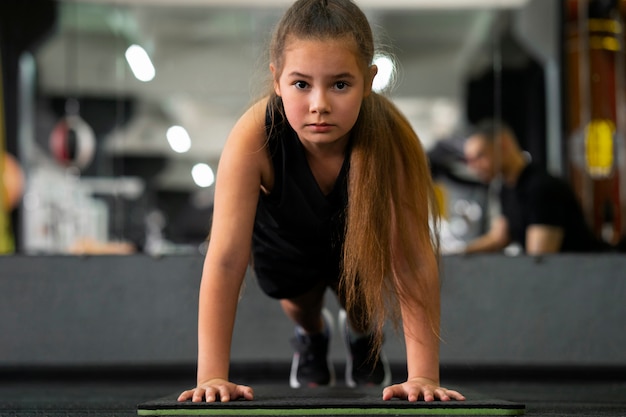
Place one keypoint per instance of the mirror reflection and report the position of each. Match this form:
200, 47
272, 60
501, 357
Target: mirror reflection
117, 111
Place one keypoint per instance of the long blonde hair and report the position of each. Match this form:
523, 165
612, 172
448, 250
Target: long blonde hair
380, 203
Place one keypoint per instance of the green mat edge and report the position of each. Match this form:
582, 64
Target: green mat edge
335, 411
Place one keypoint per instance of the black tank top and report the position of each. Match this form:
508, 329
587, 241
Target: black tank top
298, 231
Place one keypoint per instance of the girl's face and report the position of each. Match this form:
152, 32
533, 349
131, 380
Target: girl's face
322, 85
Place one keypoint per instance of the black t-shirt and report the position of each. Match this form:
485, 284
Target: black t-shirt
298, 231
539, 198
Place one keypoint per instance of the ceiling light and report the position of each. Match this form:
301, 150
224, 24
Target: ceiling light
140, 63
202, 175
179, 139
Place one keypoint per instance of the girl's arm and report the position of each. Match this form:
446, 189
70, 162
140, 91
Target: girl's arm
244, 167
421, 339
421, 332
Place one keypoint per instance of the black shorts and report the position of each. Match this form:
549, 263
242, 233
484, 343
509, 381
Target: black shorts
280, 283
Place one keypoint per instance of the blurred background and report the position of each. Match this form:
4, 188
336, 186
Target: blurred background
115, 112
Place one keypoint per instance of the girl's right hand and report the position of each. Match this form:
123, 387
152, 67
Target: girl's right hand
217, 390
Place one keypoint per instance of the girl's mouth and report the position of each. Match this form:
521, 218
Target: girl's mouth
320, 127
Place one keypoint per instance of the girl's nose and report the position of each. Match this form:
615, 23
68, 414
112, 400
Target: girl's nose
319, 102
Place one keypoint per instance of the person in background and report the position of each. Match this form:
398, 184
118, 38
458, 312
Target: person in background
539, 211
326, 184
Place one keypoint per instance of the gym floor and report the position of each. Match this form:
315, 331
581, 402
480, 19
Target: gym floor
116, 392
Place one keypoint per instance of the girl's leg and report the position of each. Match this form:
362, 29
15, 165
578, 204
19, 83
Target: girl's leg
354, 315
306, 310
364, 365
310, 366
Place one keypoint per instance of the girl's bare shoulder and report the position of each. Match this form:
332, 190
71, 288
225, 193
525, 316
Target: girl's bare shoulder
250, 128
246, 148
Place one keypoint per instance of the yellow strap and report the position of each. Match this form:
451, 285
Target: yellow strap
6, 236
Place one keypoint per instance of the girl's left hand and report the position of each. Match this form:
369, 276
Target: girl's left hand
420, 388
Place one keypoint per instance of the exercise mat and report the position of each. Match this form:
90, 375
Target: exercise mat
279, 400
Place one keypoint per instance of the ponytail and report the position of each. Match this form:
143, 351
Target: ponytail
390, 191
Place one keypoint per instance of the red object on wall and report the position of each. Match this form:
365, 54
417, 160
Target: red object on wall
594, 90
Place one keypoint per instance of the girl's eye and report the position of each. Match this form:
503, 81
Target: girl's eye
340, 85
301, 85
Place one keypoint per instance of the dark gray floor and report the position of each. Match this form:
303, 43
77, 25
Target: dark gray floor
100, 393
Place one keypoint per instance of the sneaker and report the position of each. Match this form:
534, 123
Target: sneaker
310, 366
361, 367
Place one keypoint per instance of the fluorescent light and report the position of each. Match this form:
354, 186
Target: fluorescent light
140, 63
202, 175
179, 139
